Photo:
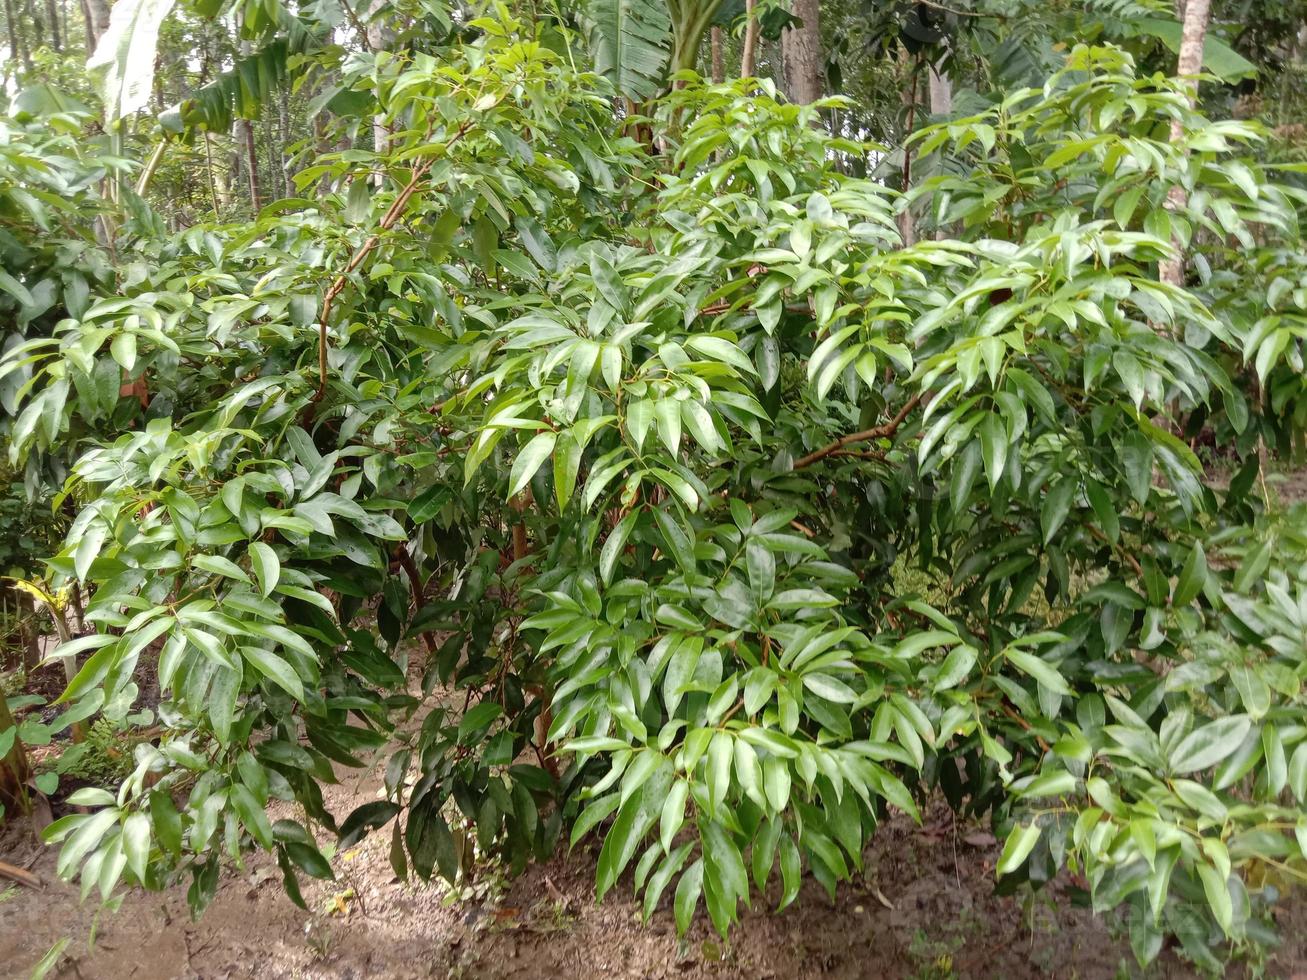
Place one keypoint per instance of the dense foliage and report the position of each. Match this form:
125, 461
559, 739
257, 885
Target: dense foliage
719, 522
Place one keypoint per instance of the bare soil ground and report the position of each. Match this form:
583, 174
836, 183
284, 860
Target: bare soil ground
924, 908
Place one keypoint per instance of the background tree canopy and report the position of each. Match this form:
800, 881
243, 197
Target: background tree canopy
709, 427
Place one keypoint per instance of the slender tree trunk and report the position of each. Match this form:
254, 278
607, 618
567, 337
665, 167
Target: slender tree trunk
247, 148
750, 40
718, 60
208, 170
941, 104
11, 23
801, 54
907, 229
30, 633
13, 767
52, 15
378, 38
283, 141
941, 92
1194, 17
321, 147
18, 50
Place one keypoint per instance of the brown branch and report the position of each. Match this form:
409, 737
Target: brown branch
1007, 710
415, 583
750, 42
388, 220
1130, 559
878, 432
14, 873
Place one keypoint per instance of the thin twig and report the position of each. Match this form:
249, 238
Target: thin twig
388, 220
1130, 559
878, 432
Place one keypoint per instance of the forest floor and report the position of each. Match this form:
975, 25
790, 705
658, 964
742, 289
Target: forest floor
924, 907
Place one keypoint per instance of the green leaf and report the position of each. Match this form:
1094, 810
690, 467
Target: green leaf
721, 350
528, 461
1192, 577
136, 844
1205, 747
567, 463
673, 813
167, 822
667, 411
955, 668
993, 447
123, 349
776, 779
1218, 896
590, 817
614, 544
720, 756
276, 670
1056, 507
477, 720
688, 890
267, 568
830, 688
309, 860
217, 565
253, 816
633, 819
791, 871
88, 548
1032, 665
1019, 844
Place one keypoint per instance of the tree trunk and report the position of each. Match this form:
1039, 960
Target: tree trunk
321, 147
283, 141
30, 633
378, 39
52, 15
13, 768
247, 147
97, 21
941, 93
718, 61
18, 51
1193, 34
801, 54
750, 40
941, 104
907, 227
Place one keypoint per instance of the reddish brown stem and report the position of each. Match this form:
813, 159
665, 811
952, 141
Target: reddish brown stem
883, 431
